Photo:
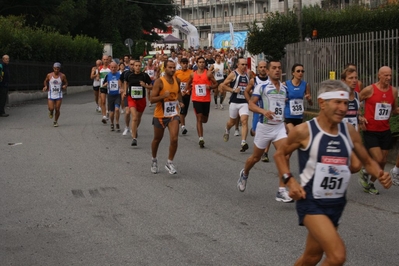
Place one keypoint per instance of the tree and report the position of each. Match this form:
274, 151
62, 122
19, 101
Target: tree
277, 30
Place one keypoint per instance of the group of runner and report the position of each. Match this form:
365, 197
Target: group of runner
324, 144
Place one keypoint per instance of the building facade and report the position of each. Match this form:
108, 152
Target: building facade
211, 16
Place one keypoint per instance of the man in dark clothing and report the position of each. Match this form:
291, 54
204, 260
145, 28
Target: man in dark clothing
4, 79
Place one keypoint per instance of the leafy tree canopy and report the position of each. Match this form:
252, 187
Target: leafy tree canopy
107, 20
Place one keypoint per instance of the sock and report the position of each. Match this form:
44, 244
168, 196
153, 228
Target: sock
396, 170
183, 127
154, 159
281, 189
201, 138
243, 141
170, 161
227, 131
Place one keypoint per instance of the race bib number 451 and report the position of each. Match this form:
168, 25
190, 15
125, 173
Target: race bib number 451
330, 181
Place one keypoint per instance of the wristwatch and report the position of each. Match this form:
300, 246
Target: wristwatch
286, 177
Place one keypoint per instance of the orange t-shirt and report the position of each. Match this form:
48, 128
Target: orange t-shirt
184, 77
168, 107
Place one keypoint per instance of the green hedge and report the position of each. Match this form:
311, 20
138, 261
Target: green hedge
45, 44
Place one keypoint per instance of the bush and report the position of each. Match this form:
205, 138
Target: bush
45, 44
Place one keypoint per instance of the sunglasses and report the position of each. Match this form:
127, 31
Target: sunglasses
299, 71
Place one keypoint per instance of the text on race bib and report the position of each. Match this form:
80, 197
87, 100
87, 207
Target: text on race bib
170, 108
382, 111
296, 107
183, 86
241, 95
330, 181
113, 85
136, 92
200, 89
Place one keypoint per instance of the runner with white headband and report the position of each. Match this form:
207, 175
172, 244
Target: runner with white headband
324, 146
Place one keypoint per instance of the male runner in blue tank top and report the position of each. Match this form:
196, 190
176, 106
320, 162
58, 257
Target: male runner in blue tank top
325, 144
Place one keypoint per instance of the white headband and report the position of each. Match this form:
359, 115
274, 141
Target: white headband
334, 95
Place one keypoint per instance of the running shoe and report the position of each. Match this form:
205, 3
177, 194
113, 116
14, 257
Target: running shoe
104, 120
118, 129
122, 111
394, 177
171, 168
50, 114
150, 104
184, 130
242, 181
226, 137
216, 106
55, 124
125, 131
283, 197
363, 180
201, 143
371, 189
112, 127
236, 133
154, 167
244, 147
221, 107
134, 142
98, 109
265, 158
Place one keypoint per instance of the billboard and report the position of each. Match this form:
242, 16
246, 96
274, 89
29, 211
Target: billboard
223, 39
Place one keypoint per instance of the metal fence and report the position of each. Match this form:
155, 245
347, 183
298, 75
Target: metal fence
368, 51
28, 75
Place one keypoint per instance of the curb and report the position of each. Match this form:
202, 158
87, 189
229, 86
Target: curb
24, 96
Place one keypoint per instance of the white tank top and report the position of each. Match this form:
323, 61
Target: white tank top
55, 88
219, 73
96, 83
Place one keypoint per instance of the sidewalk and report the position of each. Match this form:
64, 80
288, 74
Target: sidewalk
24, 96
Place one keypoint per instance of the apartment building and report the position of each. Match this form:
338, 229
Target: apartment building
212, 16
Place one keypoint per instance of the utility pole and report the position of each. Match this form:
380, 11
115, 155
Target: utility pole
286, 7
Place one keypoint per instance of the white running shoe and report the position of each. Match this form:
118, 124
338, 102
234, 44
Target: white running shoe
394, 177
216, 106
236, 133
154, 167
171, 168
125, 131
242, 181
283, 197
221, 107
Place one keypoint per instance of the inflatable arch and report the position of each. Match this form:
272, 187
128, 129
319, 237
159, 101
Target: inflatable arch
186, 28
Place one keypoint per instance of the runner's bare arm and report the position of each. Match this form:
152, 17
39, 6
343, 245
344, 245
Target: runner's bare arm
248, 90
298, 137
189, 83
156, 89
46, 80
214, 84
226, 83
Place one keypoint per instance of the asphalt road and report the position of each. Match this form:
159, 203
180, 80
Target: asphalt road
79, 194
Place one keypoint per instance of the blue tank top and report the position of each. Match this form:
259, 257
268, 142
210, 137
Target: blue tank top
353, 109
241, 81
294, 106
324, 164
